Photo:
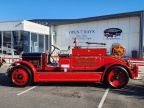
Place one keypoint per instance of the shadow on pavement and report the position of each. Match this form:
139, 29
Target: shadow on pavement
4, 80
74, 84
134, 90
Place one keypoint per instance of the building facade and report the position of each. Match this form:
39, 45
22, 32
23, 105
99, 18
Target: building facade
23, 36
38, 35
100, 29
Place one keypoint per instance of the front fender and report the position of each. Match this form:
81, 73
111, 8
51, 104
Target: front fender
27, 63
107, 66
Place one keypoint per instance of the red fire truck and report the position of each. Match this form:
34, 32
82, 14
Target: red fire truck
87, 65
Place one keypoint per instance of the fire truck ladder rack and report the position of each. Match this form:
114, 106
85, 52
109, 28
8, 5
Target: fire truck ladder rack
89, 43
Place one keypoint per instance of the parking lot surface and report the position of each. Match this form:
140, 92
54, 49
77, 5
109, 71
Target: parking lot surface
70, 94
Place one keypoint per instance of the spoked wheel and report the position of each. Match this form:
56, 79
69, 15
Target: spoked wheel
20, 76
116, 77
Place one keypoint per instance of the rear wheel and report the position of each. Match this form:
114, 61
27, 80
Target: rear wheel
116, 77
20, 76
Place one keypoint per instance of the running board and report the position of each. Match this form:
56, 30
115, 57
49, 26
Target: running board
68, 76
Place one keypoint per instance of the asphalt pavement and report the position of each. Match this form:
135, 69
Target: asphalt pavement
70, 94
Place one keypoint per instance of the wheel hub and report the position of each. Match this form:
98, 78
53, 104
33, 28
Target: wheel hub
20, 76
116, 77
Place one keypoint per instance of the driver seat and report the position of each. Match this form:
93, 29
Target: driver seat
63, 55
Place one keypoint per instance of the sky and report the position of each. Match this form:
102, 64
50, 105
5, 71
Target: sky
64, 9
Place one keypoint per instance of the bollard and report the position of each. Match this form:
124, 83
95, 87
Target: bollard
12, 56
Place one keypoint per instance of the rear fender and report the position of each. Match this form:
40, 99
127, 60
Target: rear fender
107, 66
25, 63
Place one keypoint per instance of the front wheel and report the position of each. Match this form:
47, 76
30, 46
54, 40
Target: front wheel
20, 76
116, 77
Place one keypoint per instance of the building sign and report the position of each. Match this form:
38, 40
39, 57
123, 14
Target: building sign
92, 35
112, 33
82, 34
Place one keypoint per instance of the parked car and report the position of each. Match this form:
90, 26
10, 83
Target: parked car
8, 50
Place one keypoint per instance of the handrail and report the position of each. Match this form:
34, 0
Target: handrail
136, 59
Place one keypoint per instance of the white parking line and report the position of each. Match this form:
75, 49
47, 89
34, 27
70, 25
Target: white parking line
103, 98
28, 89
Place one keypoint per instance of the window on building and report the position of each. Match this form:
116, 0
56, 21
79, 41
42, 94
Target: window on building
46, 42
41, 43
21, 40
34, 44
7, 42
26, 40
0, 43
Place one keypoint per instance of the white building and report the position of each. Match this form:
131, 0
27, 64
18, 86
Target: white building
23, 36
124, 29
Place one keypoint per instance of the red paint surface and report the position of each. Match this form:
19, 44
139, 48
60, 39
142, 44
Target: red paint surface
88, 51
68, 76
27, 63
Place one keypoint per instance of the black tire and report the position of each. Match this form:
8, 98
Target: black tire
17, 69
116, 77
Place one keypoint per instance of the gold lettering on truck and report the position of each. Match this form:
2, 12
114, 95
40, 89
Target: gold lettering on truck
86, 63
90, 64
78, 64
87, 60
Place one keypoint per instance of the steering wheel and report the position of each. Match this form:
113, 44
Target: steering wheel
53, 51
55, 47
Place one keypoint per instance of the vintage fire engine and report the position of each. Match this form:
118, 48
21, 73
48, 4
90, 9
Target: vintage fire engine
87, 65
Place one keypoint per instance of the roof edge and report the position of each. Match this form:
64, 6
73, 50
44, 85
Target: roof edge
89, 19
